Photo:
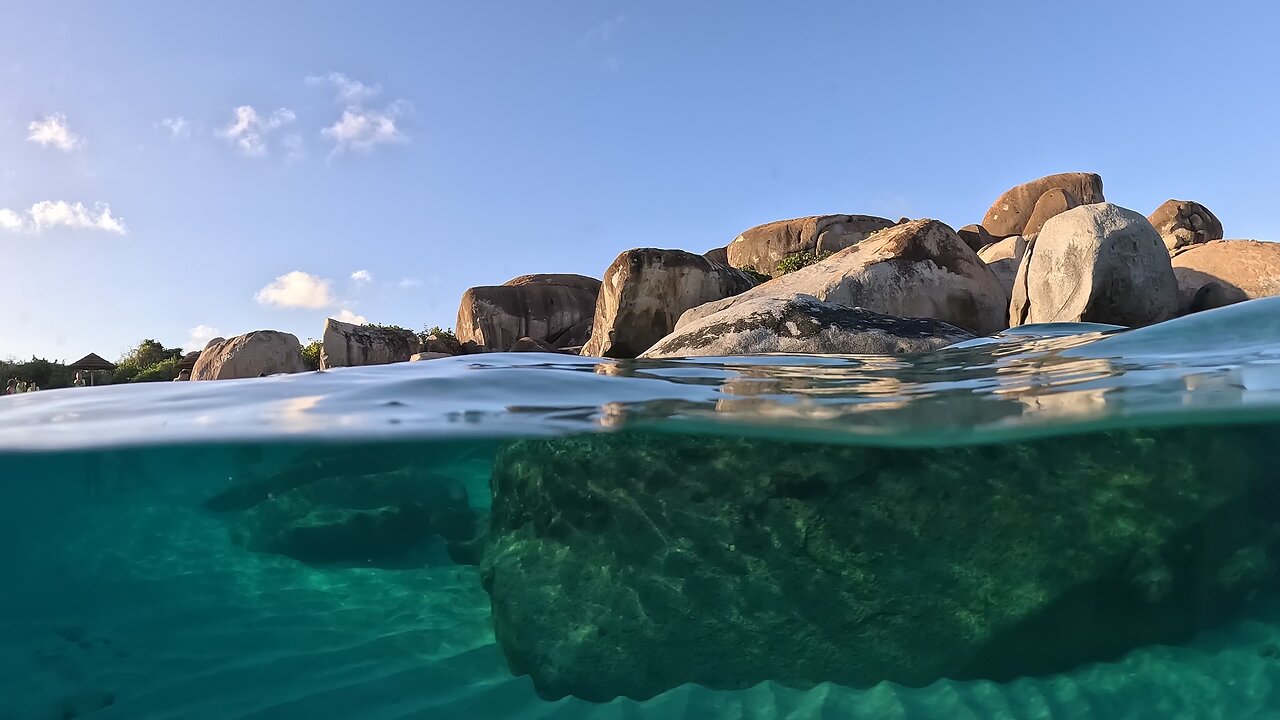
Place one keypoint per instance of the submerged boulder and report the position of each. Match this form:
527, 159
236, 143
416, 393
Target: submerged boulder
550, 307
1183, 223
762, 247
376, 520
919, 269
1012, 211
1223, 272
347, 345
627, 564
1095, 263
646, 290
261, 352
804, 324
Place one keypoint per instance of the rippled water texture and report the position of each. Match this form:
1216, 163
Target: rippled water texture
146, 573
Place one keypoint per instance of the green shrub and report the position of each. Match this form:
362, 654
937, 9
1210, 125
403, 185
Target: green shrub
166, 369
311, 354
802, 259
438, 332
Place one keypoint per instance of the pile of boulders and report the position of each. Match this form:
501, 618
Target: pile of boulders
1050, 250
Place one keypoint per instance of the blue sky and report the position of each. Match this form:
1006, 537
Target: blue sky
169, 170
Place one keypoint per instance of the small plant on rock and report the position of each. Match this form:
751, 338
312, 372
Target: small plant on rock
804, 258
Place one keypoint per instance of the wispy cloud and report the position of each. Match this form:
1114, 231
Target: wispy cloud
606, 30
347, 316
199, 336
363, 129
347, 90
49, 214
297, 289
178, 127
360, 277
53, 131
407, 283
249, 131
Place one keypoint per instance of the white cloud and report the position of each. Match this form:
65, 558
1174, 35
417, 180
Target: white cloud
348, 90
199, 336
48, 214
53, 131
249, 131
10, 220
347, 316
607, 30
178, 127
406, 283
359, 277
297, 290
362, 129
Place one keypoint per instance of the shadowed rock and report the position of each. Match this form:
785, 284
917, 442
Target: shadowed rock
347, 345
552, 308
646, 290
1003, 258
804, 324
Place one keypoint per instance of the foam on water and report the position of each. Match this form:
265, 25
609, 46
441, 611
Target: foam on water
123, 598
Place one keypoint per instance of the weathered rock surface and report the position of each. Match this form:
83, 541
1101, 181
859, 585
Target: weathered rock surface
249, 356
1095, 263
975, 236
423, 356
1054, 201
348, 345
804, 324
919, 269
445, 344
527, 344
762, 247
1182, 223
377, 520
547, 307
1240, 269
626, 564
646, 290
1010, 213
1003, 258
720, 255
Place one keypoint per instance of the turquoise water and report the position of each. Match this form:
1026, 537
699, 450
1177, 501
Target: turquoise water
1064, 521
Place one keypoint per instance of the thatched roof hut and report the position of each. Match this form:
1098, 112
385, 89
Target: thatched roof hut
92, 363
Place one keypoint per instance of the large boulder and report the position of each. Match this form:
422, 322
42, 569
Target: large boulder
646, 290
918, 269
762, 247
804, 324
1010, 213
975, 236
1223, 272
347, 345
1182, 223
720, 255
1003, 258
554, 308
261, 352
1054, 201
1095, 263
627, 564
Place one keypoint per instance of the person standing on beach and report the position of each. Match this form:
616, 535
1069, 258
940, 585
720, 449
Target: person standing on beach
12, 388
79, 381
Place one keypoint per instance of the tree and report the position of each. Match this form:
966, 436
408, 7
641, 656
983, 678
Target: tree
311, 354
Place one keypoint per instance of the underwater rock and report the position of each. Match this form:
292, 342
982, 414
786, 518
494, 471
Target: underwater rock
375, 520
626, 564
804, 324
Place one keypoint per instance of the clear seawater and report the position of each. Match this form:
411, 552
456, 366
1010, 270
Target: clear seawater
125, 593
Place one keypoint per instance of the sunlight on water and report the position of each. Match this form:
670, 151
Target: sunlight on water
1066, 521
